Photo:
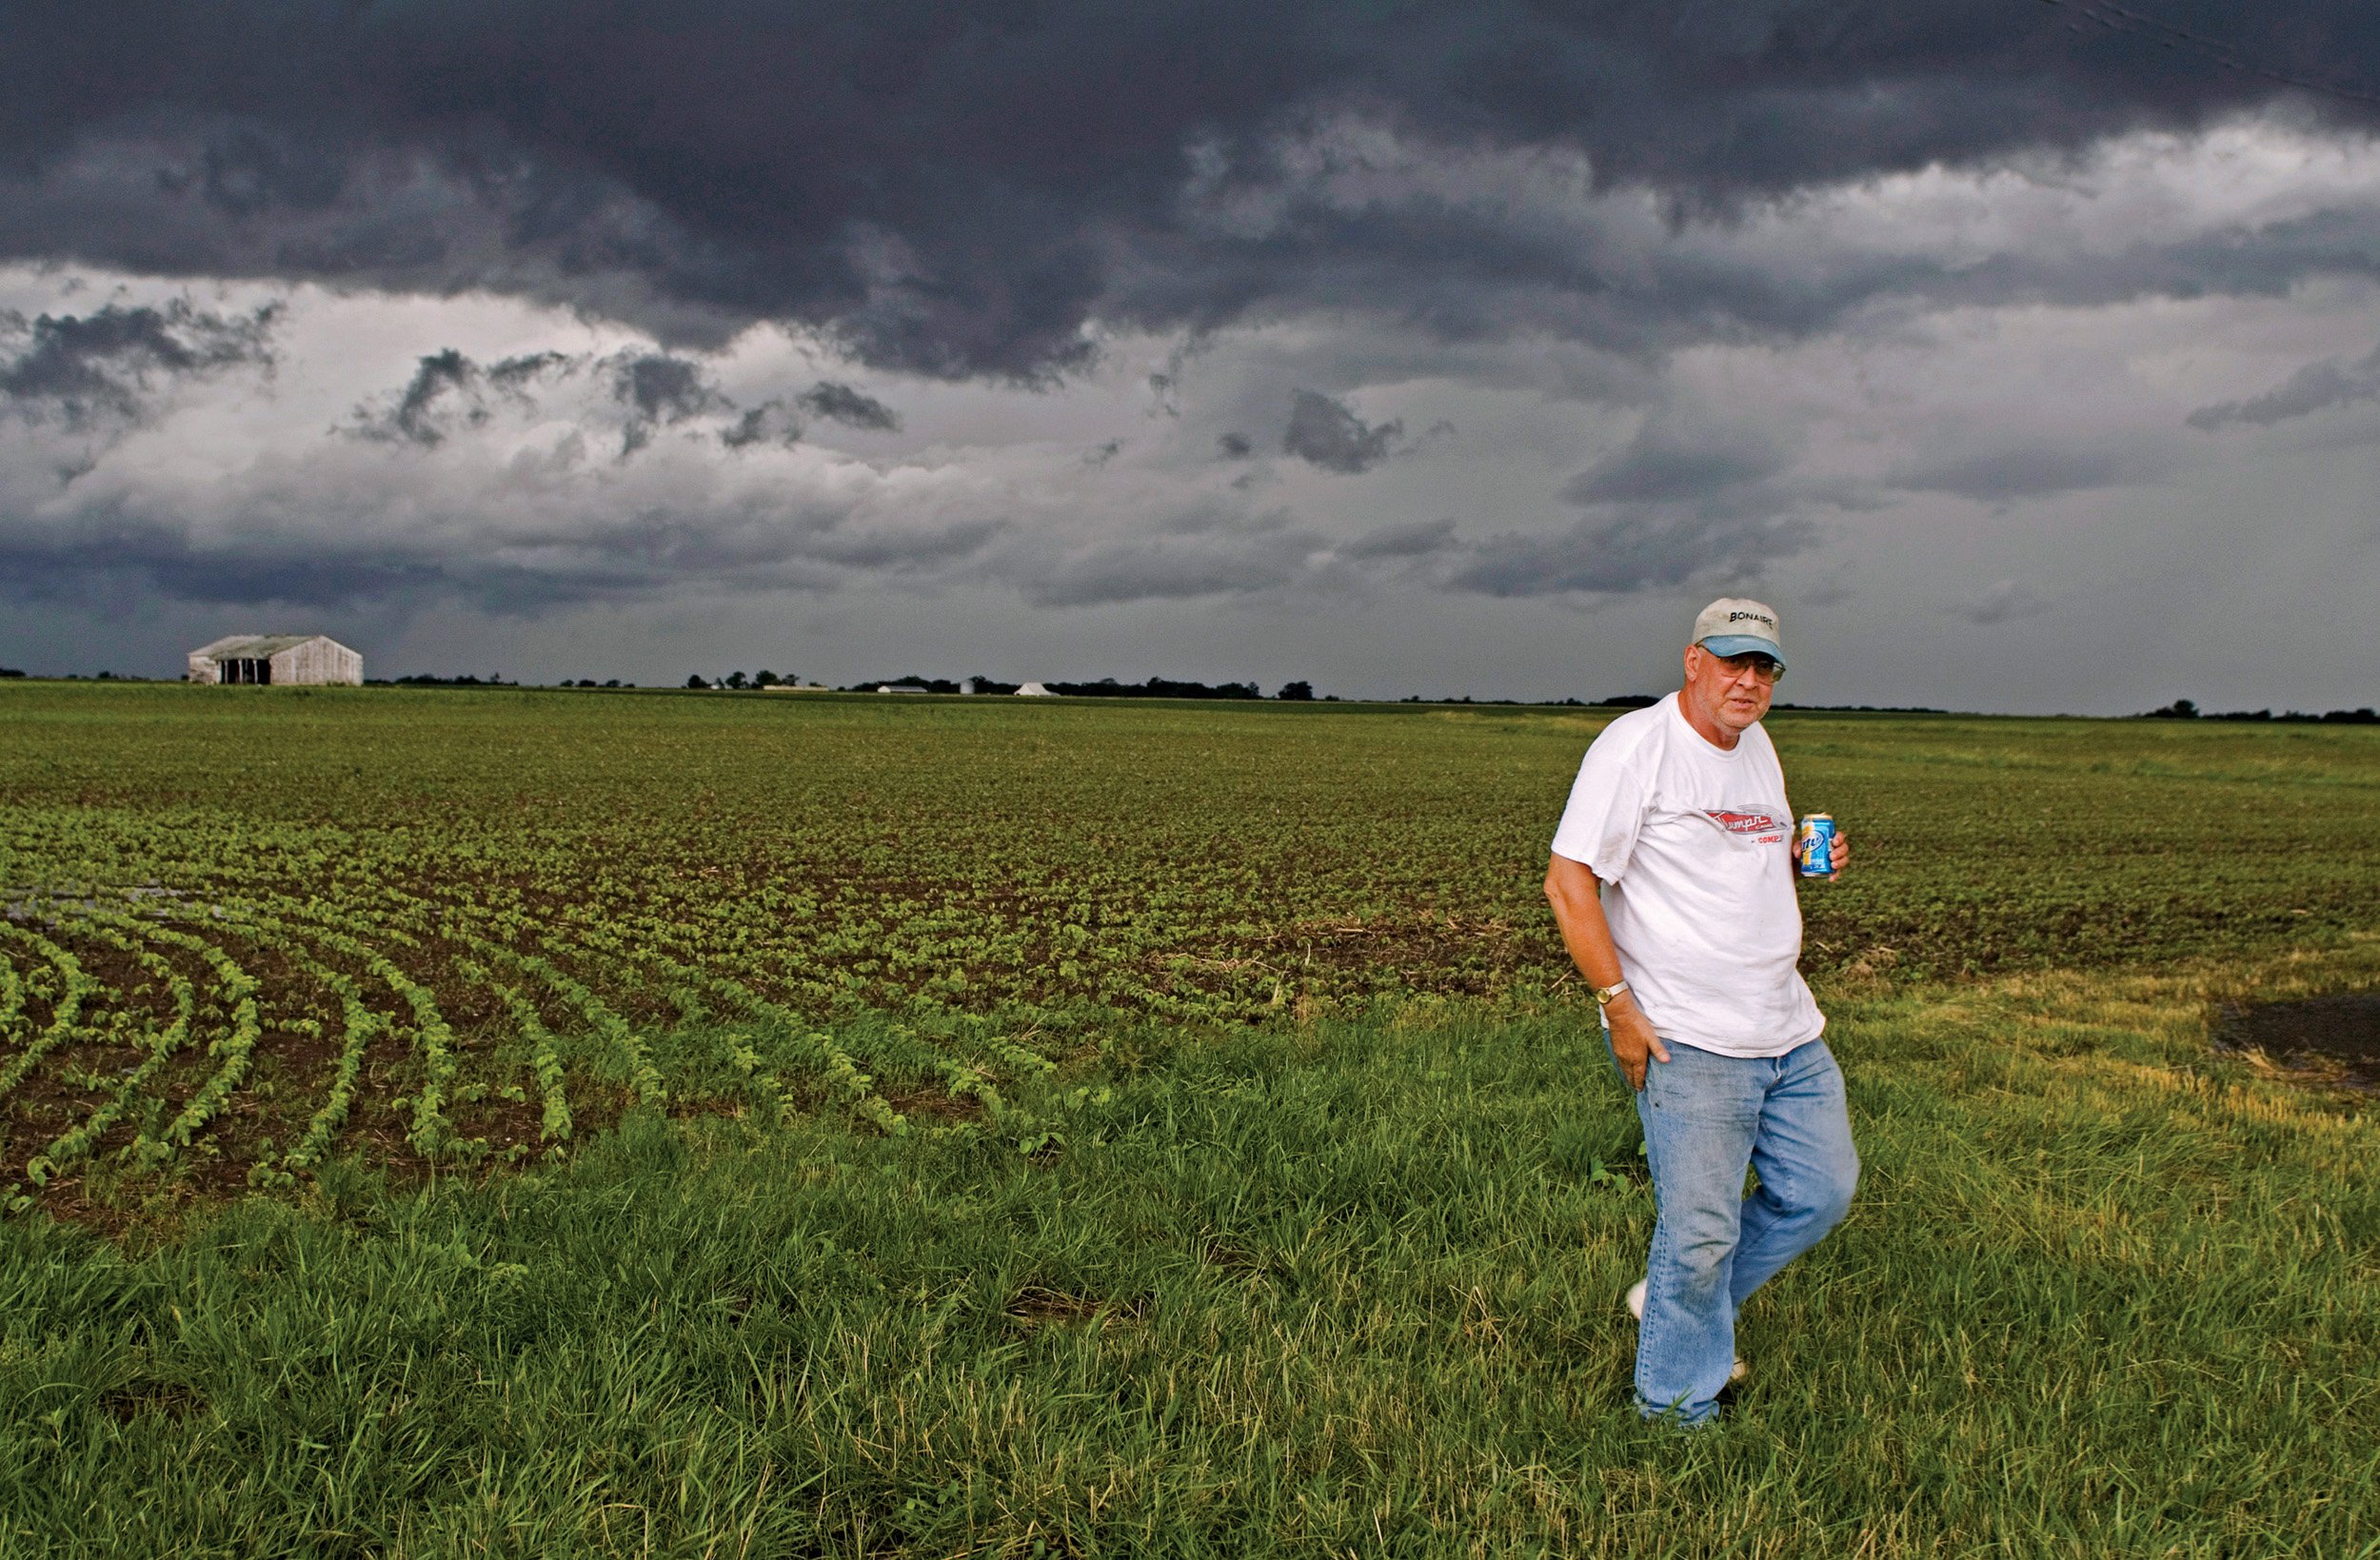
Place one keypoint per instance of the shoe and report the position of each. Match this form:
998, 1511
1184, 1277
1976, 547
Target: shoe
1635, 1308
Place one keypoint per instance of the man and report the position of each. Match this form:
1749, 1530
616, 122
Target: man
1673, 880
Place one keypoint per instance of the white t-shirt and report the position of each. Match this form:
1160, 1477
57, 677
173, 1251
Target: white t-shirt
1693, 844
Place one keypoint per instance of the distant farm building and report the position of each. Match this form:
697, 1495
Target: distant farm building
275, 658
1034, 690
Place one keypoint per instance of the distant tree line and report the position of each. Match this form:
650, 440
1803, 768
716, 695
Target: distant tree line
2183, 709
1107, 687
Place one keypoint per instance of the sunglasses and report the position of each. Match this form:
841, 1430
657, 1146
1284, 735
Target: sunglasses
1761, 666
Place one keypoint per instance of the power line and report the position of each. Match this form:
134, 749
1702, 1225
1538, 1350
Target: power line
2115, 18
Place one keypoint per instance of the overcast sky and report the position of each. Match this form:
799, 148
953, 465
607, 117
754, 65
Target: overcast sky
2026, 355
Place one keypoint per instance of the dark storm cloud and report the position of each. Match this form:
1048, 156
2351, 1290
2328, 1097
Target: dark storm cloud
767, 423
1326, 433
661, 389
1235, 446
448, 391
626, 553
955, 190
102, 364
841, 404
2313, 388
413, 417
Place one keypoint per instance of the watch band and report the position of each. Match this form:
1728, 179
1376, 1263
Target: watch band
1604, 994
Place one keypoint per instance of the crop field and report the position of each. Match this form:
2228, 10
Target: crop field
248, 930
520, 1122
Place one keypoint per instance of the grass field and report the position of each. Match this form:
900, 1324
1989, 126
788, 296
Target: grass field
705, 1125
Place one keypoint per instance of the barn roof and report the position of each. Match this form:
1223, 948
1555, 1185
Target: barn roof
250, 646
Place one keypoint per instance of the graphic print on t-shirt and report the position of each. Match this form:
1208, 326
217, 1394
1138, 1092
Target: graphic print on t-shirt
1751, 821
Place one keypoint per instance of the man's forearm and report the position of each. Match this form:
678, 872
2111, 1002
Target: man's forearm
1576, 895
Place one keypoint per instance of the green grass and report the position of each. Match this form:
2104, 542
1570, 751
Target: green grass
1345, 1289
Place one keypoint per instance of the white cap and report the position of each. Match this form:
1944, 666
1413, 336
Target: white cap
1735, 625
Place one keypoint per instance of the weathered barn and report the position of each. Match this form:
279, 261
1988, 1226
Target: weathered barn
275, 658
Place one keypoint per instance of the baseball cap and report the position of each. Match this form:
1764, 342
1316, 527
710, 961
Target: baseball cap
1734, 625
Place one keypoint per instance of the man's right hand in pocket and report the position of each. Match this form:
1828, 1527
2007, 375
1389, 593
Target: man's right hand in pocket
1633, 1040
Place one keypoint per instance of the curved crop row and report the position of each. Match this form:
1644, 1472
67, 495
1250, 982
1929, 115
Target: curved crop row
358, 1024
11, 996
78, 1140
544, 1059
431, 1132
236, 1048
75, 987
634, 1061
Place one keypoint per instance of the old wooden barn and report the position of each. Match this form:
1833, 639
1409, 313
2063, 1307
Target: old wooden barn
275, 658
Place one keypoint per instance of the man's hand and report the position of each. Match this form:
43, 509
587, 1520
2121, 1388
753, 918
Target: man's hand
1633, 1040
1572, 888
1839, 851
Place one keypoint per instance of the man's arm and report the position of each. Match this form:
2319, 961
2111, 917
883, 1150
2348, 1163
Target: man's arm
1572, 888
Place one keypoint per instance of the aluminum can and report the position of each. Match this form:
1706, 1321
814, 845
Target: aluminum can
1814, 845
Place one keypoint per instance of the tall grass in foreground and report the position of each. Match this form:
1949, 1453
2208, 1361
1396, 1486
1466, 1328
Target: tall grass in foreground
1351, 1290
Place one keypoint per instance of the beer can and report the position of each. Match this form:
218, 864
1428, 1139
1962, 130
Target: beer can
1814, 845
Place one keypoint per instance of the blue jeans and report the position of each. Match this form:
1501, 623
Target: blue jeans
1706, 1118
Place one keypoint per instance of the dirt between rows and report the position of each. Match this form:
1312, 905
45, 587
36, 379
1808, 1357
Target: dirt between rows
2338, 1035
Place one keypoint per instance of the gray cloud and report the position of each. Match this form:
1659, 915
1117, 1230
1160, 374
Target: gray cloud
450, 392
1687, 496
1636, 550
659, 389
413, 418
2003, 475
767, 423
1421, 538
1326, 433
1234, 447
841, 404
2313, 388
1196, 554
1664, 464
89, 367
2008, 601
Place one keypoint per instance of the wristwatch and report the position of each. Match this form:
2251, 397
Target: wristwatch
1604, 994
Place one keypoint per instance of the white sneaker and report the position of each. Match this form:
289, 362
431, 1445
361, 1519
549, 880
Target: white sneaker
1635, 1309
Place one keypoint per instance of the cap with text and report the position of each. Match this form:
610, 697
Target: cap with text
1734, 626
